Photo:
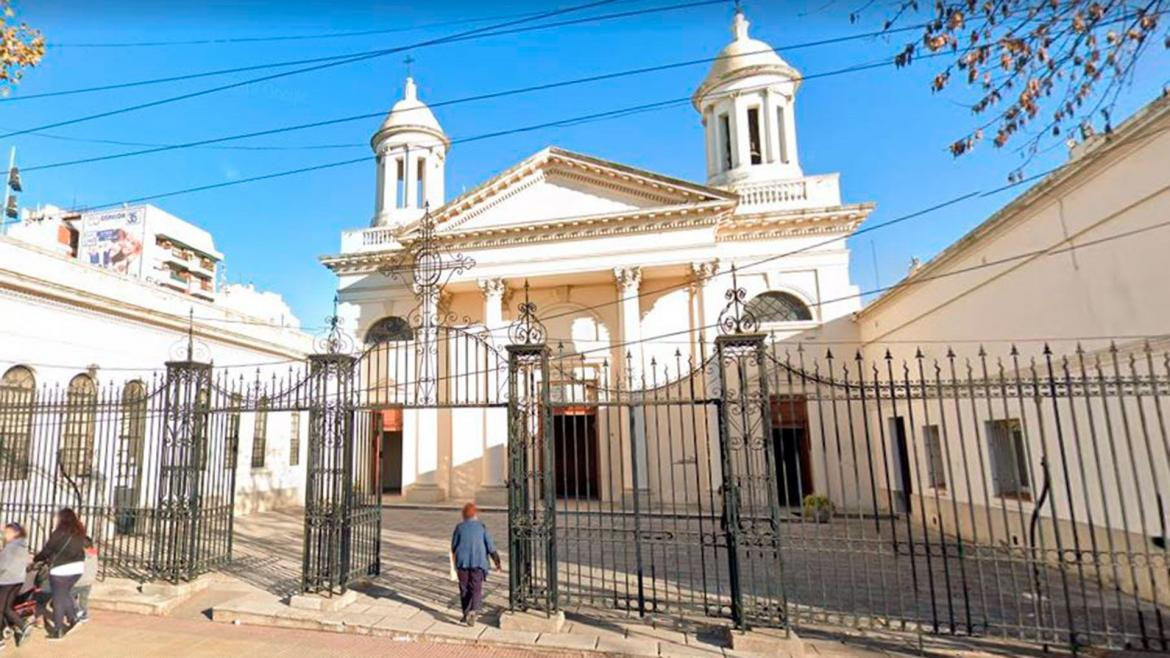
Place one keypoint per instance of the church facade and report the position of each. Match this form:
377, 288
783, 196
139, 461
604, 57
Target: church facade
629, 268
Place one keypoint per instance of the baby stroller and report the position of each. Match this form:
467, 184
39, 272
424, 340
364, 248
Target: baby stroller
34, 601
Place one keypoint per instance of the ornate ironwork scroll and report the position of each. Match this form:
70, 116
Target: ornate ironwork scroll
736, 318
526, 329
429, 267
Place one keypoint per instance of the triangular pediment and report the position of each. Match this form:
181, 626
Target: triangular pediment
556, 185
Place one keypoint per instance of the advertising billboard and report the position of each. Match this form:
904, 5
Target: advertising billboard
113, 240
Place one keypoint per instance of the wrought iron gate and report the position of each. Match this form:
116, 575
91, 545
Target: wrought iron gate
142, 462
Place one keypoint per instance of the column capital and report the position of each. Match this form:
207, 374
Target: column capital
701, 271
493, 287
628, 277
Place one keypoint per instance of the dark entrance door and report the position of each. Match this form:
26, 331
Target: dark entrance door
575, 446
790, 444
390, 450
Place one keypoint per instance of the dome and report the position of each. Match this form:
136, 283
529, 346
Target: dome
742, 57
410, 115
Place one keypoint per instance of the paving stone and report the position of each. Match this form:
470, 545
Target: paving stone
447, 630
673, 649
400, 626
567, 641
580, 628
493, 635
665, 634
627, 647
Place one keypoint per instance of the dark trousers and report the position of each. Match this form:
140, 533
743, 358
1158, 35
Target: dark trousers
471, 589
10, 616
63, 600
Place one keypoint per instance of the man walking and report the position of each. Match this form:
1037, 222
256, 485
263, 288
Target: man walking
471, 546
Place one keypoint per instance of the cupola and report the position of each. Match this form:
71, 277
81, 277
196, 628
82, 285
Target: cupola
747, 104
411, 149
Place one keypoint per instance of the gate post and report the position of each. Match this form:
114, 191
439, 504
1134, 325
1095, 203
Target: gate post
531, 485
751, 512
531, 493
329, 494
182, 454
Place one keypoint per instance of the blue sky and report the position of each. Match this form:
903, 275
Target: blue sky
882, 129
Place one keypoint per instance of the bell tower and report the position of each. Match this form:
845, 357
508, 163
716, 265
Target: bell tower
747, 103
411, 150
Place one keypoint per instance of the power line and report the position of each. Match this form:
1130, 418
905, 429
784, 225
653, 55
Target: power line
256, 67
343, 60
290, 37
500, 133
454, 101
323, 63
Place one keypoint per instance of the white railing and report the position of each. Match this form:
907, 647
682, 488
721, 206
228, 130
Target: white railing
368, 239
807, 192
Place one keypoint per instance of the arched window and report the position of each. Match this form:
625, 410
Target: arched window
389, 329
777, 306
76, 453
133, 432
17, 392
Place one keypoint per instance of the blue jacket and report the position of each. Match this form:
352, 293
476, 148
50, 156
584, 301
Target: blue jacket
472, 545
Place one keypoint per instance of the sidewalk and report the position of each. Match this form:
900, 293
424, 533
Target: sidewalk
123, 634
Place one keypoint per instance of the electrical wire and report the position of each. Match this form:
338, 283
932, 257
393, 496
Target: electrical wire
294, 37
455, 101
323, 63
256, 67
596, 116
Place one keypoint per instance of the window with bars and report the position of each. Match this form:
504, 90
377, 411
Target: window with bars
75, 454
132, 430
294, 439
1009, 459
260, 434
778, 306
233, 431
17, 394
935, 464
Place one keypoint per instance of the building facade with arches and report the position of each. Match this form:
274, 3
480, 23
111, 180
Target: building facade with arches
629, 268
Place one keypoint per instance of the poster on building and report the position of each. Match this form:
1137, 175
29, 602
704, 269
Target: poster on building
113, 240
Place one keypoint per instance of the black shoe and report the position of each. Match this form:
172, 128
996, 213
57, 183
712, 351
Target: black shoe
55, 636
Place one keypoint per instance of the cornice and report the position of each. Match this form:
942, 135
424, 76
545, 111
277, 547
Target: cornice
812, 221
71, 299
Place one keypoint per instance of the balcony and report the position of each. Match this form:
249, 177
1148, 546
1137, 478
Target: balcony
808, 192
368, 239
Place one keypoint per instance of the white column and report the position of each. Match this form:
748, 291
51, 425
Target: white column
379, 188
768, 125
492, 490
629, 280
706, 294
388, 183
708, 300
740, 150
